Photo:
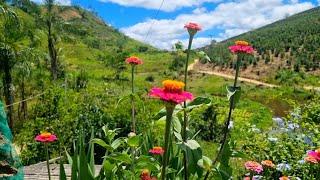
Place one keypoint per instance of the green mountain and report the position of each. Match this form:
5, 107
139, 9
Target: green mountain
288, 44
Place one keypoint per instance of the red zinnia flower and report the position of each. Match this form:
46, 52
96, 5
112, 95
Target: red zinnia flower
133, 60
241, 47
171, 92
193, 28
156, 150
46, 137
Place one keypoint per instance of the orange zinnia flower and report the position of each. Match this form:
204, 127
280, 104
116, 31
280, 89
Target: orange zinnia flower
268, 163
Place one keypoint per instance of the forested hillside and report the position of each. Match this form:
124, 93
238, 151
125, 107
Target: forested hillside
289, 44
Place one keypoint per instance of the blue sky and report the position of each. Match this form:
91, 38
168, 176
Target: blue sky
220, 19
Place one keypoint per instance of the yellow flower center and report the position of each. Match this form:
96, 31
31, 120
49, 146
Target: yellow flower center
157, 148
173, 86
145, 172
242, 43
46, 134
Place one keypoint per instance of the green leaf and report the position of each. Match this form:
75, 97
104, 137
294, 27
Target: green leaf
178, 136
192, 144
234, 92
62, 174
134, 141
120, 157
116, 143
198, 101
205, 163
146, 162
84, 173
103, 144
176, 124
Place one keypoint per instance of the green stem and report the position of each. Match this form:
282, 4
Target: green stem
165, 160
185, 119
187, 62
231, 107
132, 100
133, 153
48, 165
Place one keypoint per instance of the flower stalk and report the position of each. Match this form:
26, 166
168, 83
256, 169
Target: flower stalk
133, 120
169, 108
192, 29
47, 158
240, 49
133, 61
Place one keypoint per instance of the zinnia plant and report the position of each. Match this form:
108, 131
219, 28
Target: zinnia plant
46, 138
171, 93
133, 61
241, 48
192, 28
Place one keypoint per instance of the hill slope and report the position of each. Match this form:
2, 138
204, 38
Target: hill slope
289, 44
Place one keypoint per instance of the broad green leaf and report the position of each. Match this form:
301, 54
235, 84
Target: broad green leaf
134, 141
234, 92
116, 143
192, 144
102, 143
178, 136
198, 101
205, 163
176, 124
120, 157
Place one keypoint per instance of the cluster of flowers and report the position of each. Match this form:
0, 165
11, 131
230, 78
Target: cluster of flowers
257, 168
313, 157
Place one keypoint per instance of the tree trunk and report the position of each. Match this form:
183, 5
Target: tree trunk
52, 52
7, 83
23, 105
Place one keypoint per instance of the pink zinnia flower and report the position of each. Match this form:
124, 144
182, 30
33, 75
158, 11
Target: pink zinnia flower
241, 47
171, 92
156, 150
193, 28
313, 156
46, 137
133, 60
253, 166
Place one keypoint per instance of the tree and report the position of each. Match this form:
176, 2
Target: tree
53, 52
23, 73
9, 36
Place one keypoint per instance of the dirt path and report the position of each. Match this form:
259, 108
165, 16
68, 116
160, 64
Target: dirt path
247, 80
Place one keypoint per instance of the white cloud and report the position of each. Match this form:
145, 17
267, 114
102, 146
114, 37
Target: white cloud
169, 5
233, 18
61, 2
